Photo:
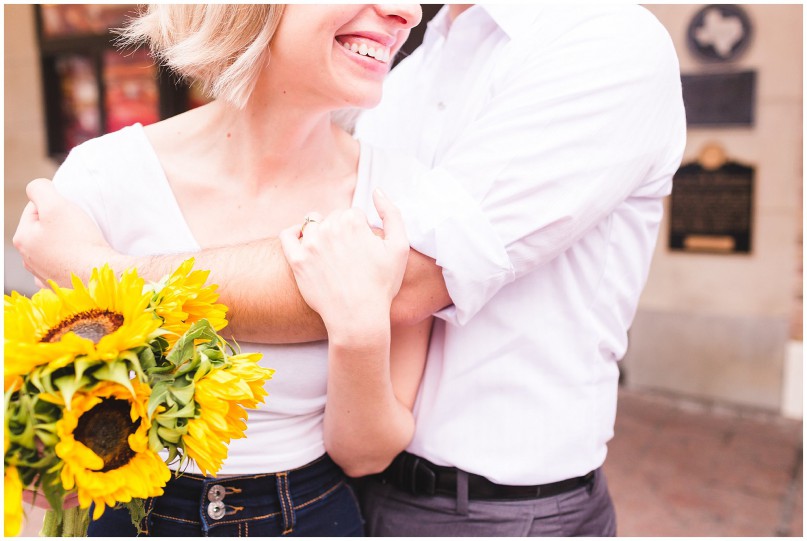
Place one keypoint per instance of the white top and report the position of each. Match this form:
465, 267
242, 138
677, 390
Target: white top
554, 132
118, 180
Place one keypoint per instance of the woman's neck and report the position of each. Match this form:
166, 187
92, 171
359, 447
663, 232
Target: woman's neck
277, 136
454, 10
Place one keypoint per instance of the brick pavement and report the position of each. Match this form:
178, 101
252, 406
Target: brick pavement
678, 468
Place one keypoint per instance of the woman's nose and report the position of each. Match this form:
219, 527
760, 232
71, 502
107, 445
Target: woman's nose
409, 15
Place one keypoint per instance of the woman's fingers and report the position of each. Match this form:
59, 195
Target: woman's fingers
290, 242
394, 229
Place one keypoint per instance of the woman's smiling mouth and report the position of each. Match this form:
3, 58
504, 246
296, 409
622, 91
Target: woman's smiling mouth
365, 47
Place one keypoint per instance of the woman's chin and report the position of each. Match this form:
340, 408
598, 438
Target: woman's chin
365, 100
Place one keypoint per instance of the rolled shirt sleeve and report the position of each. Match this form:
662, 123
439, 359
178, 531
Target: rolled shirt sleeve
590, 117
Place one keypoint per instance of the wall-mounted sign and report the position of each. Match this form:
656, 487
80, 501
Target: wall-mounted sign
719, 99
711, 208
719, 32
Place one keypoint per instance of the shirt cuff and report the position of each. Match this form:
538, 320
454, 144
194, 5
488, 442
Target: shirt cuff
444, 222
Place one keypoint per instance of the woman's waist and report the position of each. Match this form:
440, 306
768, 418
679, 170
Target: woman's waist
244, 497
273, 442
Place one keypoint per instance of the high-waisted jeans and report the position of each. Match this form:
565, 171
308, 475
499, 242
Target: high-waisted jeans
314, 500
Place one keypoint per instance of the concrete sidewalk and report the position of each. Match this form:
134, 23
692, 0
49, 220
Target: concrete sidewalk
678, 468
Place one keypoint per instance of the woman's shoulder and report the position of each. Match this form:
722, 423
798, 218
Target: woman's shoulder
124, 145
108, 165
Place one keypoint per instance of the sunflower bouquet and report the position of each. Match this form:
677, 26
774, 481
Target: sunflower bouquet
107, 384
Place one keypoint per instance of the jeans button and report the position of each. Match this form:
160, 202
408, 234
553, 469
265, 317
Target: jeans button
215, 510
216, 493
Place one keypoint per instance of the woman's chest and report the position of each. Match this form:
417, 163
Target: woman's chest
219, 215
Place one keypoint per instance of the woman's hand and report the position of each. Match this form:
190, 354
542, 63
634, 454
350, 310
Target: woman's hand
345, 272
32, 496
349, 275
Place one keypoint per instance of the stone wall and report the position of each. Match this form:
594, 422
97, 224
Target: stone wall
719, 326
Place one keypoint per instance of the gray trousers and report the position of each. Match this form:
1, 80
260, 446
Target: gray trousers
390, 512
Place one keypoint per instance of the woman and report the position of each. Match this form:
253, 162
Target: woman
251, 164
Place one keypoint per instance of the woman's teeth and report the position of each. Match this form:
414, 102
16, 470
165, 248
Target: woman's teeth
381, 53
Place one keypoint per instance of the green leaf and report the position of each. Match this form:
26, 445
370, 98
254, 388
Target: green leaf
165, 422
169, 434
81, 364
24, 438
173, 453
46, 432
147, 360
134, 363
183, 395
137, 512
183, 349
40, 379
155, 444
188, 410
116, 372
158, 395
68, 385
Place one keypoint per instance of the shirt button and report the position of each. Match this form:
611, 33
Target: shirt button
441, 106
215, 510
216, 493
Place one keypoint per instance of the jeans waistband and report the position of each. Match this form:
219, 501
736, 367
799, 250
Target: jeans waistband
225, 500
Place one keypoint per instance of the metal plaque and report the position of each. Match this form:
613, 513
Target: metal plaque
711, 210
720, 99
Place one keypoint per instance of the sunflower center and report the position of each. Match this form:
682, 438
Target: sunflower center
105, 429
93, 325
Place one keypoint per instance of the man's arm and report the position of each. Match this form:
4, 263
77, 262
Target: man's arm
56, 238
577, 125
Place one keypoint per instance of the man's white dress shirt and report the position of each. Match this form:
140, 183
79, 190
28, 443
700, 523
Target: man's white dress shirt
553, 133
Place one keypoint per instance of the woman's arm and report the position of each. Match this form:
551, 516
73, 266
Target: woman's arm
349, 276
372, 388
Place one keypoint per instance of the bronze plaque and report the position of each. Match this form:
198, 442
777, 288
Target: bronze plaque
719, 99
710, 210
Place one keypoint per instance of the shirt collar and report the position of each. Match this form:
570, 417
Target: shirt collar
436, 27
514, 20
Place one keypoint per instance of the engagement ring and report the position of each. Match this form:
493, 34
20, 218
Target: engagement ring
308, 220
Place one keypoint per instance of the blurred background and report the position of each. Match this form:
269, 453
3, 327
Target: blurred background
709, 432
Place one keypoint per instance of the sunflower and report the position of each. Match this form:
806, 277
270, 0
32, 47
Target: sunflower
12, 493
56, 326
104, 446
221, 397
183, 299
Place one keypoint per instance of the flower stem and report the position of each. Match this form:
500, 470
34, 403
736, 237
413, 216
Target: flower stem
73, 523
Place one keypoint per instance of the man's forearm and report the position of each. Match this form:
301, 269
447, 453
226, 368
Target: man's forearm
254, 282
423, 291
257, 285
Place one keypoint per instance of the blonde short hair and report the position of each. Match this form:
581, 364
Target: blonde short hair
222, 47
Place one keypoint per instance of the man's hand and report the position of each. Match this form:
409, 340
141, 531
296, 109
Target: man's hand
56, 238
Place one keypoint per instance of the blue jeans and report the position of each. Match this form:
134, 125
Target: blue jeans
313, 501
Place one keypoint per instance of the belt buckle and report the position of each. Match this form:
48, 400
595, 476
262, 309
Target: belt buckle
424, 480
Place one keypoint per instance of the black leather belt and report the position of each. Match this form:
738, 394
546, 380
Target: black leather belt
418, 476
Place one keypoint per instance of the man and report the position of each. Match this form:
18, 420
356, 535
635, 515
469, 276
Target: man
553, 133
